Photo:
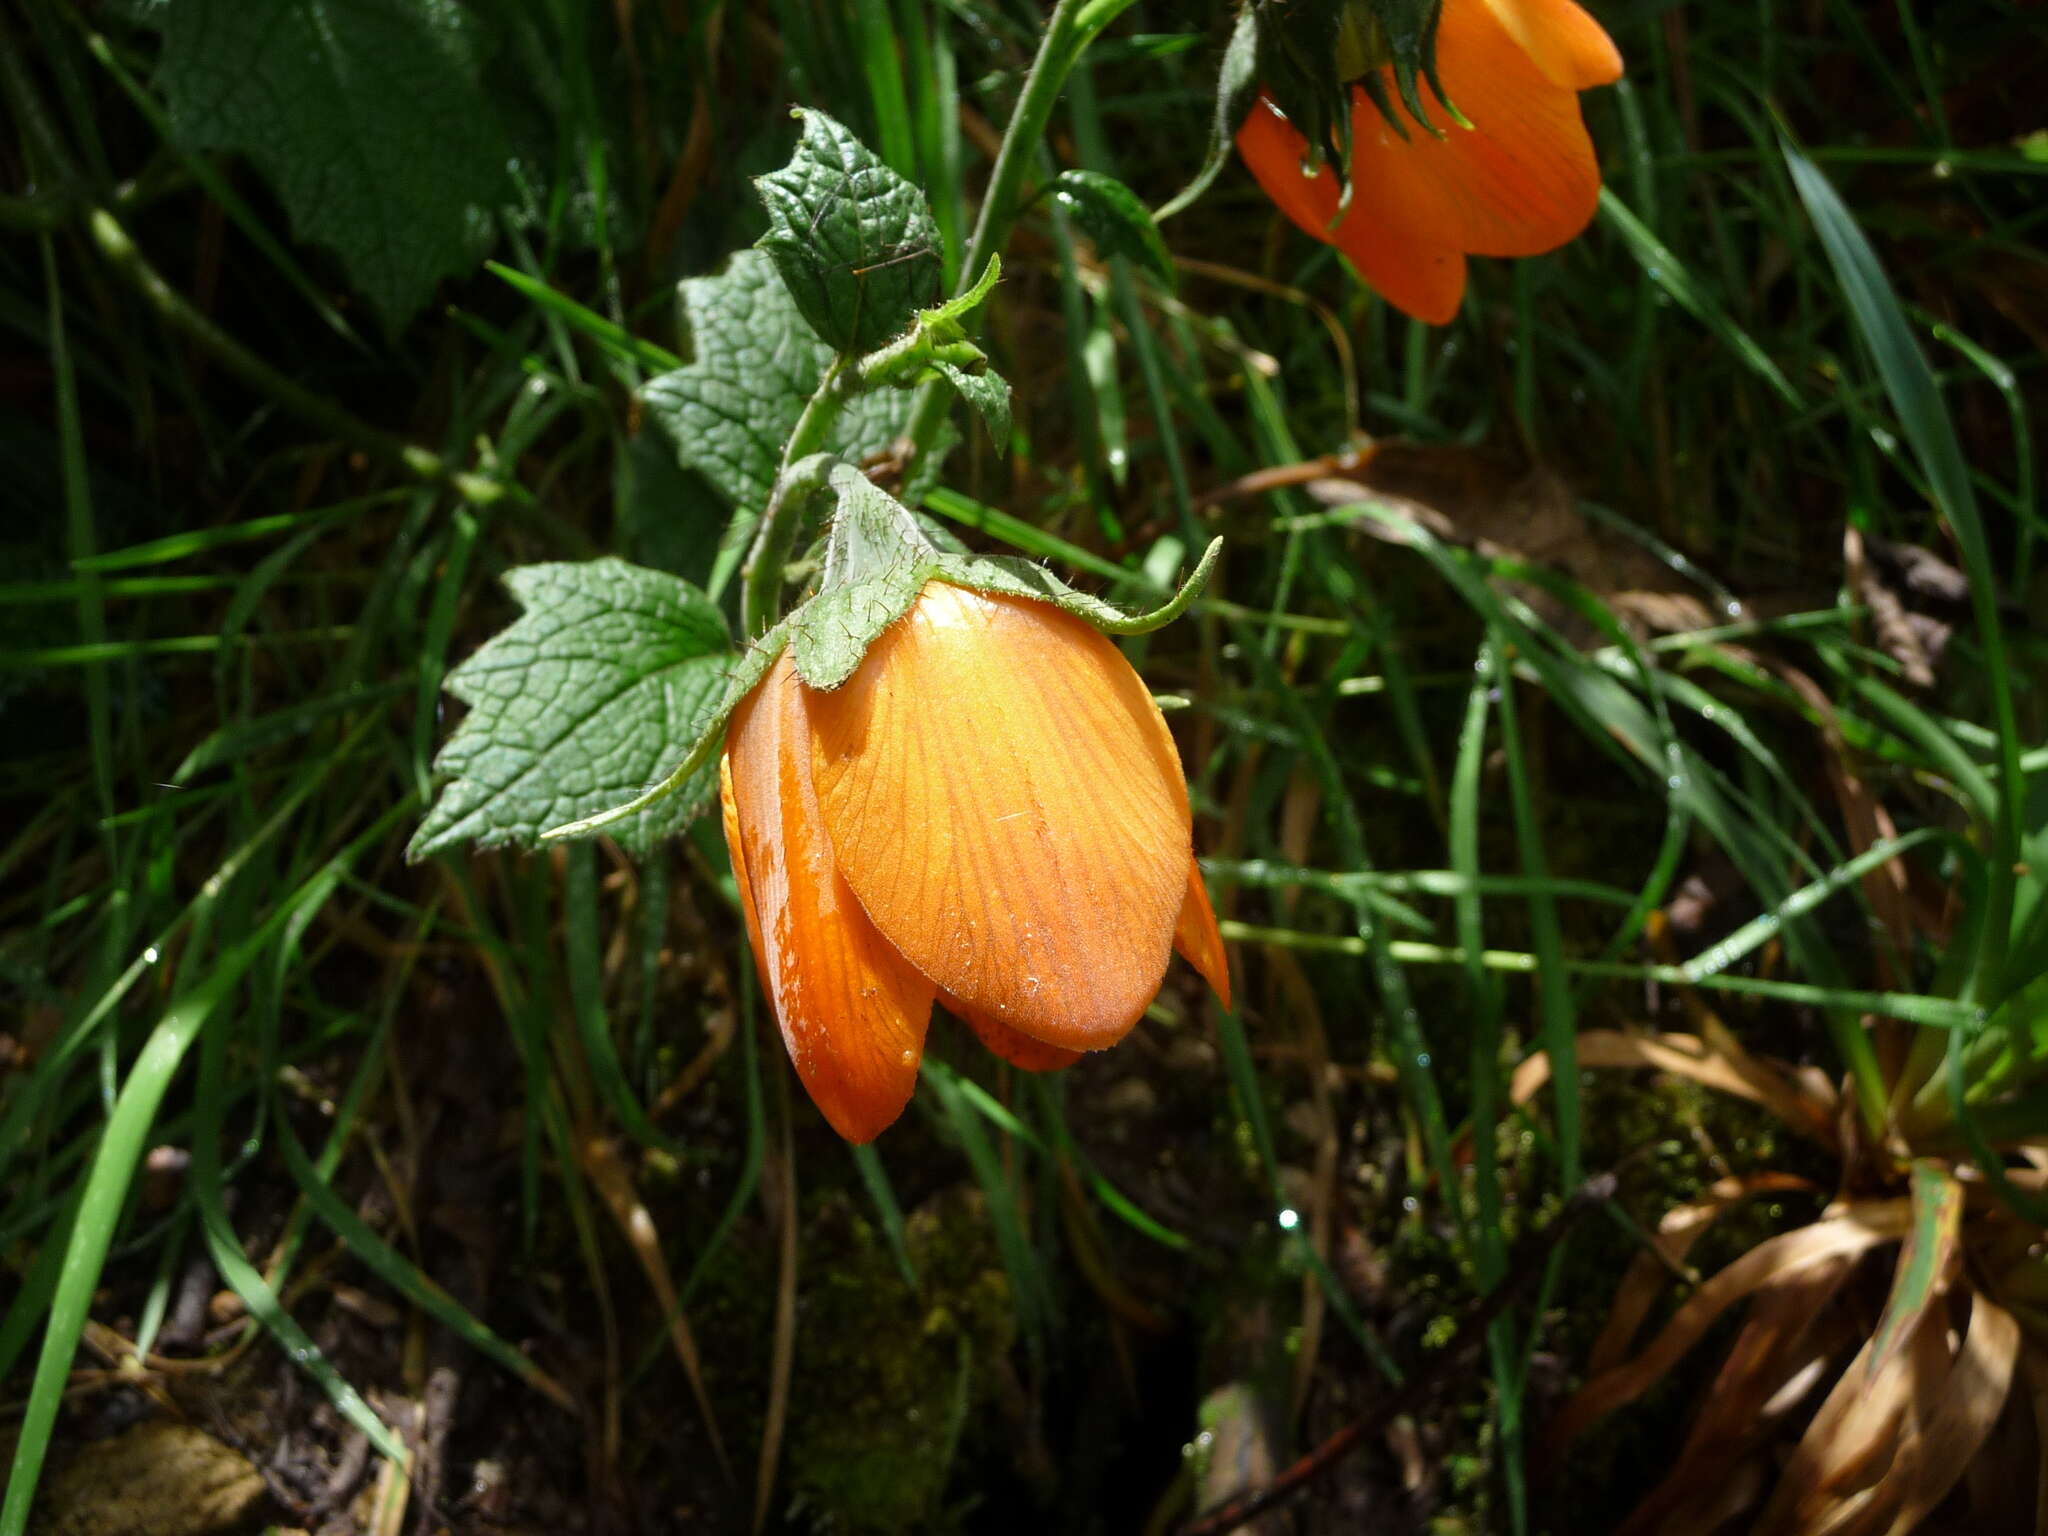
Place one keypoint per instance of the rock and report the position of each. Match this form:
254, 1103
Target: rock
161, 1478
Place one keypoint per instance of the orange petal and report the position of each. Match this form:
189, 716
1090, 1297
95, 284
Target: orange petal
852, 1010
1196, 938
1423, 280
1520, 181
1275, 152
1426, 281
1569, 46
1004, 799
1015, 1047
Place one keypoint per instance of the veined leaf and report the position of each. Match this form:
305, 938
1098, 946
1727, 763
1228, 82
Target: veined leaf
592, 695
368, 117
854, 242
754, 363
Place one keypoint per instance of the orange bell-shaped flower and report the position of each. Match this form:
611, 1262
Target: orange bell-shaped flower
990, 813
1520, 181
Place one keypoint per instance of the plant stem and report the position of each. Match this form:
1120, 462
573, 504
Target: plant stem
761, 576
1072, 26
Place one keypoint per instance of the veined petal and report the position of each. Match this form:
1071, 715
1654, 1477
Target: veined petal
1006, 802
1015, 1047
1195, 936
1520, 181
1419, 279
853, 1011
1567, 44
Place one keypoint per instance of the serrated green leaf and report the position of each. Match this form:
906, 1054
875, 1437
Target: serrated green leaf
1114, 217
854, 241
988, 393
741, 678
368, 118
754, 363
591, 695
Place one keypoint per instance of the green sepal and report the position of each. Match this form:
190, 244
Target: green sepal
1297, 53
1311, 54
1237, 89
1014, 577
1408, 32
748, 669
855, 243
878, 558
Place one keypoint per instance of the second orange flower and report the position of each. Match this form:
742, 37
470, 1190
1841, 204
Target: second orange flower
1521, 180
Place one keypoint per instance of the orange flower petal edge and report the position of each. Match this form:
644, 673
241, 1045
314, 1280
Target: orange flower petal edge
1569, 46
1425, 281
1017, 1048
1195, 936
852, 1010
1005, 801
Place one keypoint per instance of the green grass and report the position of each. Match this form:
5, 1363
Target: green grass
1441, 790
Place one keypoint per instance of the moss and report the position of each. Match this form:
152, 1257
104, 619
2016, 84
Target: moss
886, 1377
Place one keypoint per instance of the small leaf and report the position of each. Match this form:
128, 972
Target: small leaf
955, 310
988, 393
590, 696
854, 241
1114, 218
368, 118
753, 365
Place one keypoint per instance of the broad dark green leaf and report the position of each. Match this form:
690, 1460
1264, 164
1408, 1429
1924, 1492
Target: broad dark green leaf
366, 116
593, 694
1113, 217
753, 364
853, 240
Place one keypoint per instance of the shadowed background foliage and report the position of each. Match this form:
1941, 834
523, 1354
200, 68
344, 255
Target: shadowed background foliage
1650, 656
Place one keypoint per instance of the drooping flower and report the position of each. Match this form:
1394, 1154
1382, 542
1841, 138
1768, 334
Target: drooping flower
989, 813
1521, 180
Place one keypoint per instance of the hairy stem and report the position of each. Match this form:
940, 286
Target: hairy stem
801, 471
1074, 24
